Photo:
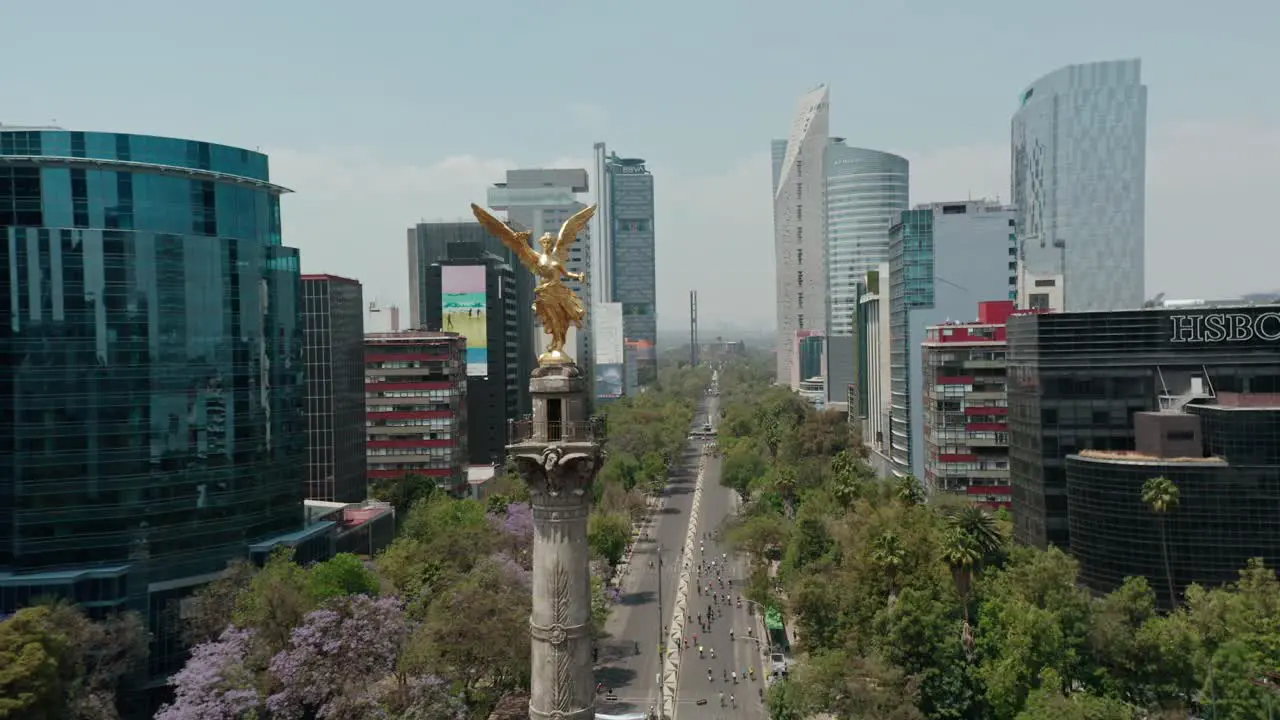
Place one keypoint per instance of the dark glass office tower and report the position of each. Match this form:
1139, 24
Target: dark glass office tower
151, 397
333, 320
472, 292
1077, 379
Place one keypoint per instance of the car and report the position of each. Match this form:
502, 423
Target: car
706, 427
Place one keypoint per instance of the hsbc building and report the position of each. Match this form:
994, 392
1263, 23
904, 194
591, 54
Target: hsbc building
1075, 381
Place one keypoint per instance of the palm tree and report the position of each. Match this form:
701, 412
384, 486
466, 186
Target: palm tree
784, 481
908, 491
1161, 495
979, 526
961, 553
888, 555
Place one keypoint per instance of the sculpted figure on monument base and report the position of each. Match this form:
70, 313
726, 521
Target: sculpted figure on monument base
556, 472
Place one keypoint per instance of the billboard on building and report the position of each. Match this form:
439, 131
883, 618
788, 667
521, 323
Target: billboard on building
606, 324
463, 310
610, 381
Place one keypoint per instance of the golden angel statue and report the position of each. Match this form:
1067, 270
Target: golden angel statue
555, 304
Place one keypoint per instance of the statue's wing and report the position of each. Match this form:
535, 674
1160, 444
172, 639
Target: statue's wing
517, 241
569, 232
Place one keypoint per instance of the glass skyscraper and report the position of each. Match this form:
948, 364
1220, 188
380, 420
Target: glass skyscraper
1079, 147
866, 193
152, 421
627, 262
944, 259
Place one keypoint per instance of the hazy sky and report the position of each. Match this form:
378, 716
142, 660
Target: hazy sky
384, 112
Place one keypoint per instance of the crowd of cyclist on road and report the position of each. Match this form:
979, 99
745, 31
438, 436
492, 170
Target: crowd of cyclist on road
712, 584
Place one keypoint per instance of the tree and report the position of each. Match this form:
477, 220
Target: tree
277, 599
109, 651
210, 609
515, 527
908, 491
336, 657
37, 667
1051, 702
341, 575
55, 662
215, 684
608, 535
1162, 496
888, 555
403, 492
477, 631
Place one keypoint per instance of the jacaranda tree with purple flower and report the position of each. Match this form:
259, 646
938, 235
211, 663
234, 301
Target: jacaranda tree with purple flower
336, 657
215, 684
515, 524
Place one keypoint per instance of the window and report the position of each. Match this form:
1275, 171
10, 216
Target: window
1039, 301
800, 277
799, 254
800, 299
799, 212
1046, 283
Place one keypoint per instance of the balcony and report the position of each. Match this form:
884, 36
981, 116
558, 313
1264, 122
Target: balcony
592, 430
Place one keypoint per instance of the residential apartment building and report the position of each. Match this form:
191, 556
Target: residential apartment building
626, 269
966, 407
416, 409
800, 229
1079, 153
333, 344
944, 259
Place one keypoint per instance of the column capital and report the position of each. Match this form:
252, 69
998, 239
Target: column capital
558, 473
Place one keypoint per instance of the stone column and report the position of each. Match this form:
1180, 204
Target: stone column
559, 461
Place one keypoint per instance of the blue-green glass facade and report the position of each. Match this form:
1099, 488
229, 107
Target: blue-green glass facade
810, 352
152, 419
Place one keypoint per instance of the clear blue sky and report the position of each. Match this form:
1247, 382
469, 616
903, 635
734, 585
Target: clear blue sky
420, 103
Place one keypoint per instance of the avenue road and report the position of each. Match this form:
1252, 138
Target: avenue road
742, 653
629, 660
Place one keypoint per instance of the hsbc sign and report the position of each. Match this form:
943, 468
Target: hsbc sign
1225, 327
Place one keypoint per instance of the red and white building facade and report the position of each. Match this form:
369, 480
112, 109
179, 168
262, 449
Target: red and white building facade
415, 404
966, 408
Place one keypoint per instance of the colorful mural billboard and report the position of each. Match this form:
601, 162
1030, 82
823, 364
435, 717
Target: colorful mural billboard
463, 303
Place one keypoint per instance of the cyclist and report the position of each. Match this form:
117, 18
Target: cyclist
732, 702
753, 673
713, 653
721, 698
730, 634
734, 675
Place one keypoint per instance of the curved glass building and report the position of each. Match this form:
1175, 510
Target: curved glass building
152, 419
866, 193
1079, 156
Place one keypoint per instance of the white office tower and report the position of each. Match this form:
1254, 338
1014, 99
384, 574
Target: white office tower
1079, 158
800, 229
540, 200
